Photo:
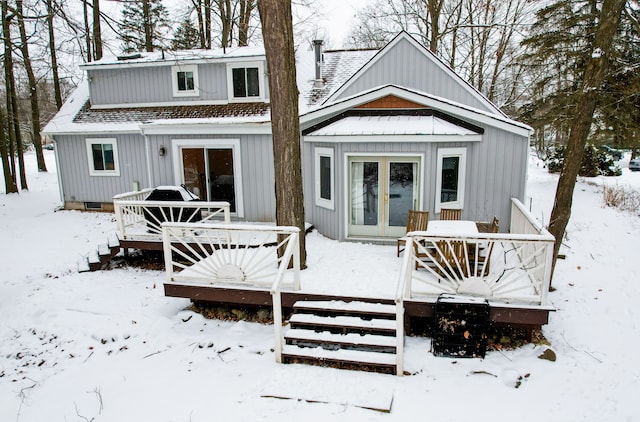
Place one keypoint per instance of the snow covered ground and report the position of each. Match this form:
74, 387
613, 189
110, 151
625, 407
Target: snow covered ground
108, 346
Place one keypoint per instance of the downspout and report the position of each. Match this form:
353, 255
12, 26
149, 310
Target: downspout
59, 175
147, 150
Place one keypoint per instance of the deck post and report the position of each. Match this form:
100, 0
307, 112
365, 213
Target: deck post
399, 337
277, 323
166, 247
296, 261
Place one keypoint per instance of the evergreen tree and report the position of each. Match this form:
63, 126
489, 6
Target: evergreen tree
143, 25
186, 37
558, 49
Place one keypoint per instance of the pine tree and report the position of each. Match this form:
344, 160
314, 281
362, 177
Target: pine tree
143, 25
557, 51
186, 37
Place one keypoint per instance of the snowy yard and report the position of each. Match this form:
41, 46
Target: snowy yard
108, 346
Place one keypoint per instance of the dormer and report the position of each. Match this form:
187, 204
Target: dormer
194, 77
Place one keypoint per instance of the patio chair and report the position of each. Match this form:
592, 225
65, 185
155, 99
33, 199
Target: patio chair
416, 221
450, 214
488, 227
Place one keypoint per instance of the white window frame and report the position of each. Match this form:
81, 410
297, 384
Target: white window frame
244, 65
232, 144
446, 153
102, 141
174, 80
320, 201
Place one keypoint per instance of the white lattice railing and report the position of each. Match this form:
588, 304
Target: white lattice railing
235, 255
137, 219
504, 267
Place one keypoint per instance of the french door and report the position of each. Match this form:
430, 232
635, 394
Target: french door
209, 173
382, 190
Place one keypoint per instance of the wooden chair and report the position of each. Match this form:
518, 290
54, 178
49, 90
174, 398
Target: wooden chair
488, 227
450, 214
416, 221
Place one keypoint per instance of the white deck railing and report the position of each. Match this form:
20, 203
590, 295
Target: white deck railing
235, 255
137, 219
502, 267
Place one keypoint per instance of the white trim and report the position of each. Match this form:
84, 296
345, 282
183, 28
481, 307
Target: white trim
323, 202
158, 104
207, 128
392, 138
261, 81
427, 54
453, 108
233, 144
174, 81
102, 141
445, 153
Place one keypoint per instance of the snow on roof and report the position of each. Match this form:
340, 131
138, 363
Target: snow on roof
158, 58
391, 125
338, 66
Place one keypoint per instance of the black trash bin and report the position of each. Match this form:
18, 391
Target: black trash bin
158, 215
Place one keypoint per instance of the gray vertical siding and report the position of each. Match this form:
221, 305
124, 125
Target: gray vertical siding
256, 152
495, 172
139, 85
79, 186
405, 66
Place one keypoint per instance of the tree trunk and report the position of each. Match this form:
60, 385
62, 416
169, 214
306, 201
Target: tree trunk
225, 20
583, 116
13, 122
33, 90
434, 7
148, 26
52, 51
97, 33
277, 33
9, 180
246, 8
86, 29
197, 5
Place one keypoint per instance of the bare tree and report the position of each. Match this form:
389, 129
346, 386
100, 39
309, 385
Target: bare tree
53, 53
609, 18
277, 32
36, 138
13, 124
97, 32
9, 180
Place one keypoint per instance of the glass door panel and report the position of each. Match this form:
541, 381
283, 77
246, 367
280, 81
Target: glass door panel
221, 178
194, 171
402, 192
365, 198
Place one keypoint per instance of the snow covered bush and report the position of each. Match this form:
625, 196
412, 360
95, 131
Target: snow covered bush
595, 162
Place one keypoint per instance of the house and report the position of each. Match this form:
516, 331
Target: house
383, 131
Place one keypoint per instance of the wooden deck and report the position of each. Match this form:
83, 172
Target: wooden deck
501, 314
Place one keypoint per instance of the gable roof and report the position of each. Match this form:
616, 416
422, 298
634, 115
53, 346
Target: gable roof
444, 105
404, 36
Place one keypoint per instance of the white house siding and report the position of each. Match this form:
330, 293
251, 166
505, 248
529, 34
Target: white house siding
406, 66
256, 152
79, 186
153, 84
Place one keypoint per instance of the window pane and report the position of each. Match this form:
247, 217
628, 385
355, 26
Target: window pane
253, 84
239, 89
185, 81
98, 163
109, 161
189, 81
402, 180
450, 169
325, 177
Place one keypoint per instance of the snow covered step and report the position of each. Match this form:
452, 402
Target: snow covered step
354, 358
332, 341
343, 323
83, 265
346, 308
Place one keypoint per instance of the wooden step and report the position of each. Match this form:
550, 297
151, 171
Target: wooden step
343, 324
354, 308
332, 341
83, 265
94, 261
352, 359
